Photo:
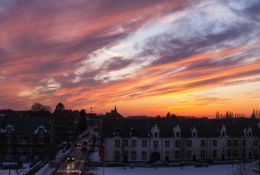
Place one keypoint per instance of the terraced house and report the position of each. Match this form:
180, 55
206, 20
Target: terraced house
181, 139
25, 135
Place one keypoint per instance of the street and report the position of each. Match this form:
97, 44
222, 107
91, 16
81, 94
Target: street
77, 166
80, 155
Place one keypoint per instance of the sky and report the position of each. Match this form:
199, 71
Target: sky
146, 57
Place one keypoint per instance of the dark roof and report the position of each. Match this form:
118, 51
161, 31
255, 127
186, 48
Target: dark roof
24, 122
65, 116
205, 127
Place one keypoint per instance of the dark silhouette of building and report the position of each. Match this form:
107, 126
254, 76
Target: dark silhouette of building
113, 114
26, 135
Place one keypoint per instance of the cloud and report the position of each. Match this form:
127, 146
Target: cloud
48, 84
97, 53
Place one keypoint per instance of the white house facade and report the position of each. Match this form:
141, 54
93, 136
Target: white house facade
181, 140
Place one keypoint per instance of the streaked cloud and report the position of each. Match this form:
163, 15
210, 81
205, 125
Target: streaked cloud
98, 53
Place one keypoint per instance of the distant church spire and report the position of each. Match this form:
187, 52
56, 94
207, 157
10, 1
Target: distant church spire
115, 109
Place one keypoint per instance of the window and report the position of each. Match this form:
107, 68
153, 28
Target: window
250, 133
144, 143
41, 140
244, 143
177, 134
167, 143
229, 153
235, 153
125, 153
229, 143
41, 130
202, 154
215, 143
177, 143
117, 143
188, 154
155, 134
189, 143
243, 153
117, 156
155, 144
133, 143
255, 153
214, 154
223, 133
144, 155
194, 133
235, 142
133, 155
177, 155
202, 143
126, 143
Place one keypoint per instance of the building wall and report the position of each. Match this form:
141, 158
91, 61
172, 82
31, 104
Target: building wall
220, 150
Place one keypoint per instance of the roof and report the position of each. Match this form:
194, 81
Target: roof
205, 127
24, 121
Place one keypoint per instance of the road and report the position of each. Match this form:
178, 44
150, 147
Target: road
78, 166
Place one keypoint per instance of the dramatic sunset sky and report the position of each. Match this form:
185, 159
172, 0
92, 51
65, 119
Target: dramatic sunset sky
189, 57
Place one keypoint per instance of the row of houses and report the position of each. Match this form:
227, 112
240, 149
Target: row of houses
29, 135
180, 139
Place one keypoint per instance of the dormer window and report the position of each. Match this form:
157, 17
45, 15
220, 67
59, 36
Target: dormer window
223, 131
133, 132
117, 131
177, 131
155, 131
194, 134
9, 128
249, 133
40, 130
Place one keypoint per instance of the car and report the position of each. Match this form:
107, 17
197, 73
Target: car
77, 144
70, 158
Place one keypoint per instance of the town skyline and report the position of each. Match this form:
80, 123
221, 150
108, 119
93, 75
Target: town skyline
147, 58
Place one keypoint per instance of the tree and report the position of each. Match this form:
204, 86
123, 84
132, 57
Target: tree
40, 107
60, 107
169, 115
217, 115
253, 115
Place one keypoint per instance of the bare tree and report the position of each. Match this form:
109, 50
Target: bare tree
40, 107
